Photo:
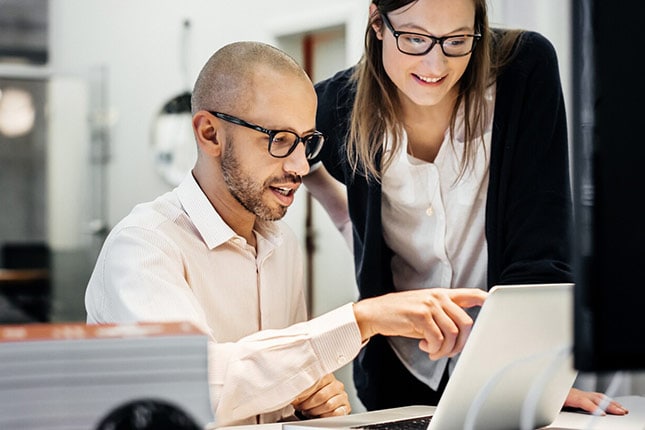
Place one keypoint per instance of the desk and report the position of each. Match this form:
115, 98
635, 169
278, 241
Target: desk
635, 420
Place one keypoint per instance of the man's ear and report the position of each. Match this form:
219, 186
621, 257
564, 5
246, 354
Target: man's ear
377, 24
205, 127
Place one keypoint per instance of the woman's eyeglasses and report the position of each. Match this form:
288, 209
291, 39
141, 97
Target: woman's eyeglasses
420, 44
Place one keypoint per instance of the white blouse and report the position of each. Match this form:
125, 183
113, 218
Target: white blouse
433, 220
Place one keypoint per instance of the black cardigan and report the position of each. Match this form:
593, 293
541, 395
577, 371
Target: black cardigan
528, 207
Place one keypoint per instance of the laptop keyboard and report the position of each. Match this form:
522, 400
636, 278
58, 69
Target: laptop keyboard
419, 423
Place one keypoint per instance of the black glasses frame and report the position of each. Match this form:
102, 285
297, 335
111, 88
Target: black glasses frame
435, 40
306, 140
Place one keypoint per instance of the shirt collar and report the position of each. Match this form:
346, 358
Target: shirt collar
207, 221
210, 225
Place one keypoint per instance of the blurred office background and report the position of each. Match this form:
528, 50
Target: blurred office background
92, 123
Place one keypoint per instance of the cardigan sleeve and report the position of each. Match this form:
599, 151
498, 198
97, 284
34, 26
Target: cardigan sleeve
529, 212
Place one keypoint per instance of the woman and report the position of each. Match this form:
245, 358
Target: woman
451, 140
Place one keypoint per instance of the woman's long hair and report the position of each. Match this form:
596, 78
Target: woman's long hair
376, 113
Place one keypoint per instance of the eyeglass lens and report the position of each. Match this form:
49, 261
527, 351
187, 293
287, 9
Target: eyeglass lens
284, 142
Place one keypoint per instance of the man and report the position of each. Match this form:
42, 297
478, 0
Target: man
214, 252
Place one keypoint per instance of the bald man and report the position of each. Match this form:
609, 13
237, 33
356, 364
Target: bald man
214, 251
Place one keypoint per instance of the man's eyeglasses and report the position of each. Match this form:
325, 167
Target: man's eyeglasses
281, 142
420, 44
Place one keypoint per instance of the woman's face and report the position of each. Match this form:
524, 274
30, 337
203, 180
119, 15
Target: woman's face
426, 80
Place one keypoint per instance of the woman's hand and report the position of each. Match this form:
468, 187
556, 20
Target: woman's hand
593, 403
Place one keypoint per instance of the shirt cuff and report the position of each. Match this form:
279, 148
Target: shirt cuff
338, 346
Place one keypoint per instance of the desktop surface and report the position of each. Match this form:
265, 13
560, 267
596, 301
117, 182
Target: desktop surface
635, 420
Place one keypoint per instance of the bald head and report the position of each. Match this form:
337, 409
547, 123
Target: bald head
226, 80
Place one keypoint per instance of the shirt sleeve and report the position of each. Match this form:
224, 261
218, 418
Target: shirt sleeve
257, 374
529, 219
267, 370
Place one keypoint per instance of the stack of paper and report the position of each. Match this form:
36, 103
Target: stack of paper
70, 376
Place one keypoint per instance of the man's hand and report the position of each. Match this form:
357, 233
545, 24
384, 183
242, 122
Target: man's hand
434, 315
593, 403
327, 398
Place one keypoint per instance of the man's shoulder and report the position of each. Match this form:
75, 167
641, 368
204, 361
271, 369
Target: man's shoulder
151, 215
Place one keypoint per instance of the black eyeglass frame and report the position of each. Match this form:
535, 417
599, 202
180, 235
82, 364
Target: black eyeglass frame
272, 133
435, 40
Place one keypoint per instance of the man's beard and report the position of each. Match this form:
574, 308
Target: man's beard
248, 192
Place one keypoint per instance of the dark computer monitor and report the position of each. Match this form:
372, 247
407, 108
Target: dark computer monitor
608, 142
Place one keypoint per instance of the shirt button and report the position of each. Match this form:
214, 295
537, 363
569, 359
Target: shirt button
341, 359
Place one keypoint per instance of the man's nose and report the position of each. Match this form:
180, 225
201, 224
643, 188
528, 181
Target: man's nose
296, 163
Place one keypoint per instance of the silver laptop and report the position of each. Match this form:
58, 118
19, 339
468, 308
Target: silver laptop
514, 372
